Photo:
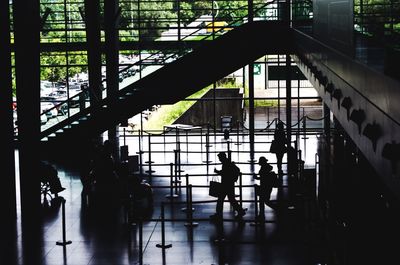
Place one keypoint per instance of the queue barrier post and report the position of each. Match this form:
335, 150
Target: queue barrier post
189, 214
64, 241
163, 246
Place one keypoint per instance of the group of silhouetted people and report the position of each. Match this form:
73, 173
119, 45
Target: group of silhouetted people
105, 176
267, 177
108, 181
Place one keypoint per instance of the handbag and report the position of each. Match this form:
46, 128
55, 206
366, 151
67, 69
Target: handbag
274, 146
277, 148
215, 188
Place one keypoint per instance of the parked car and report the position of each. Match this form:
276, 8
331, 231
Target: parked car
49, 109
43, 118
61, 106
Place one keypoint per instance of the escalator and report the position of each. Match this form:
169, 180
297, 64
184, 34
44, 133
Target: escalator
175, 81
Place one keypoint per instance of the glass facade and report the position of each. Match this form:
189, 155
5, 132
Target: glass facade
146, 30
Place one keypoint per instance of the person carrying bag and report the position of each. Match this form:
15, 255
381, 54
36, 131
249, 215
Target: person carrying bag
228, 179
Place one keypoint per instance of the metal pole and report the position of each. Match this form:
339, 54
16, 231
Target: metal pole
237, 133
64, 242
140, 153
162, 245
207, 149
241, 190
171, 183
189, 214
229, 150
184, 209
177, 171
149, 161
140, 241
201, 141
255, 223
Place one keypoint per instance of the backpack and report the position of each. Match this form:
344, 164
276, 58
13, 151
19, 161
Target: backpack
235, 171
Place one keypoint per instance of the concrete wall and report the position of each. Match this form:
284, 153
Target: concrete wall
202, 112
373, 92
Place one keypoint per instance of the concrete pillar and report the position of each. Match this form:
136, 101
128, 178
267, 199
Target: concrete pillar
27, 62
92, 22
8, 194
288, 99
112, 65
251, 111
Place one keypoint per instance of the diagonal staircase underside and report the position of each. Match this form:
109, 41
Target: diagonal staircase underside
175, 81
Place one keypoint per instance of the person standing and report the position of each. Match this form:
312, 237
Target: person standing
228, 188
268, 180
279, 145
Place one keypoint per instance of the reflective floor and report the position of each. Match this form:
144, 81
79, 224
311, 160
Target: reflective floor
102, 234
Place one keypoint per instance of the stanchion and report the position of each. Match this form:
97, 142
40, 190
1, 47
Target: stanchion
184, 209
304, 126
259, 218
189, 214
229, 149
177, 173
207, 136
149, 161
241, 190
201, 140
140, 241
163, 245
164, 137
237, 134
140, 153
177, 158
64, 242
207, 161
171, 183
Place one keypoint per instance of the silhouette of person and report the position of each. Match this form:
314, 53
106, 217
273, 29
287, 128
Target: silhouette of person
228, 189
280, 141
49, 175
267, 180
104, 169
293, 162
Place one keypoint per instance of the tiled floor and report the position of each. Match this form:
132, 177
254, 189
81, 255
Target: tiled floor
101, 235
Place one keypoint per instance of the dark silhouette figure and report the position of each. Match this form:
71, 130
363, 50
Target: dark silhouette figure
138, 200
280, 145
267, 179
91, 156
49, 175
228, 188
104, 171
293, 163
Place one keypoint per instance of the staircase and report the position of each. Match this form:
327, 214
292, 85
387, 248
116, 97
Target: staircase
175, 81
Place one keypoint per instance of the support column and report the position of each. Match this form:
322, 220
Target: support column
111, 14
327, 121
250, 11
251, 111
27, 62
288, 99
92, 21
288, 106
94, 50
251, 92
8, 194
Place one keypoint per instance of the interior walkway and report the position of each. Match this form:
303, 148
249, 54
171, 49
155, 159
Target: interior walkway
103, 235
